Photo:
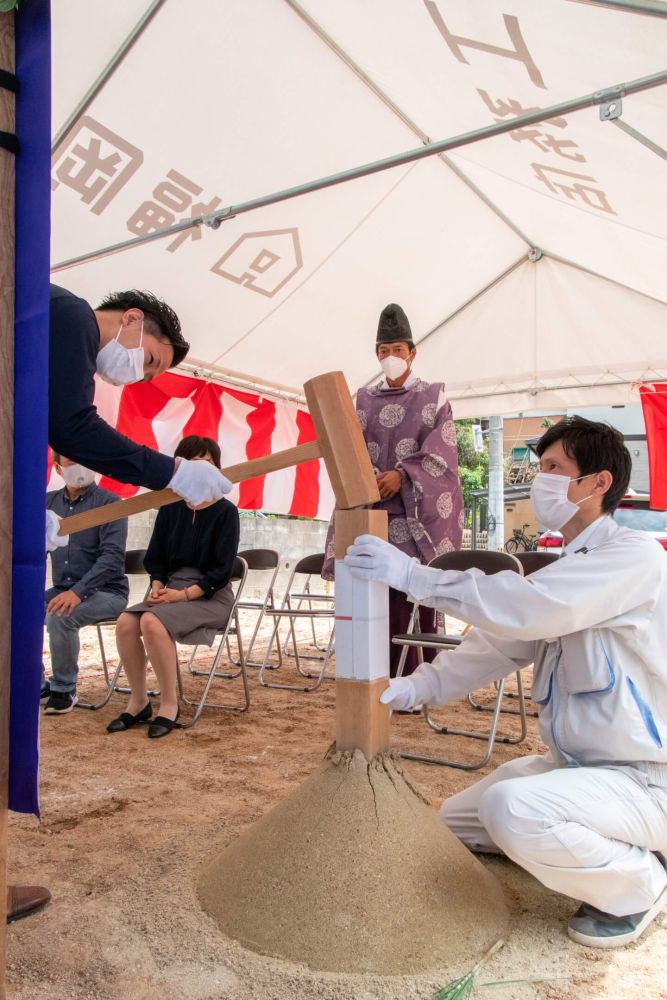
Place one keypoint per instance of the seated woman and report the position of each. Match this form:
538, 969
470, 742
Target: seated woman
189, 558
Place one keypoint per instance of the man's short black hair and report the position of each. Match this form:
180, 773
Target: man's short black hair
157, 315
595, 447
193, 446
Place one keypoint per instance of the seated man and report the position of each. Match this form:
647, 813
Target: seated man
589, 819
89, 582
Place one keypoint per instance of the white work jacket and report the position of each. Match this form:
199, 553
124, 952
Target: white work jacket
594, 623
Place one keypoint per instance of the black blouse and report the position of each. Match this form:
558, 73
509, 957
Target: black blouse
207, 540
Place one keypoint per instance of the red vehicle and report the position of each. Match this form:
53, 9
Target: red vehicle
632, 512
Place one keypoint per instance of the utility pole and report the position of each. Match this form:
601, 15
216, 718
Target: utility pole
496, 485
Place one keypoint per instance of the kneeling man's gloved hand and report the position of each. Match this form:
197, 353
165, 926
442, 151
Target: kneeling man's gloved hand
53, 539
401, 695
199, 482
369, 558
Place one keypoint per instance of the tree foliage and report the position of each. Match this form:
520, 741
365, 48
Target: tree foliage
473, 465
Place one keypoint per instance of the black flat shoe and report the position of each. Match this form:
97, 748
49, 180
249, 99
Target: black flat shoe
126, 721
161, 726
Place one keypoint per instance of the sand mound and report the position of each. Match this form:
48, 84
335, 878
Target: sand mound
354, 872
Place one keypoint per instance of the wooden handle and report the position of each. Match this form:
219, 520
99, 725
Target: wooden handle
159, 498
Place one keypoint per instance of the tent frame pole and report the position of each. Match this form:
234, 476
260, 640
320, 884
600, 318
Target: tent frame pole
107, 73
215, 219
654, 8
536, 390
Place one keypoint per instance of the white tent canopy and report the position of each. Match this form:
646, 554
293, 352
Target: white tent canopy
217, 103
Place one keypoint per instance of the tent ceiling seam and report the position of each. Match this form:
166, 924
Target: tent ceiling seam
314, 25
603, 277
107, 72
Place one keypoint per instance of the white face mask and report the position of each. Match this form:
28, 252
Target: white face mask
77, 476
121, 365
548, 495
394, 367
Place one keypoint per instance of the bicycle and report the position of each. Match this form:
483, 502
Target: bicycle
520, 540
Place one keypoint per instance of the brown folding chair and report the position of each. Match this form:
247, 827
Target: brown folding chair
292, 609
489, 563
134, 566
533, 561
238, 577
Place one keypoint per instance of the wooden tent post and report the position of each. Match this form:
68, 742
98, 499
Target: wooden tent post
7, 124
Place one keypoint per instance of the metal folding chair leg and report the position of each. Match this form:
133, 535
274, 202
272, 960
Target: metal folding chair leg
491, 736
294, 687
269, 603
203, 702
506, 711
316, 645
444, 730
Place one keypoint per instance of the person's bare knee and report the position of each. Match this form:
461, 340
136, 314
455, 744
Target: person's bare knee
127, 626
151, 626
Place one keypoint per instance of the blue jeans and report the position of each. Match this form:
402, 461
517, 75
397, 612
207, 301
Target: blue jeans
64, 634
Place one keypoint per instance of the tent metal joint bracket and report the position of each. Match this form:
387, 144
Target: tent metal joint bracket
609, 110
215, 219
535, 254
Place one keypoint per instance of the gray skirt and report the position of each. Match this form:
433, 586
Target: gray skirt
192, 623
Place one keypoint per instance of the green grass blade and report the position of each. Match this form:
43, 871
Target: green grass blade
460, 989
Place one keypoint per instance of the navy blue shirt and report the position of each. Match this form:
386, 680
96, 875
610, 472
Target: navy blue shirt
206, 539
93, 559
75, 428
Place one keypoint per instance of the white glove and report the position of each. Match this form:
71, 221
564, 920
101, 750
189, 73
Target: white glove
401, 694
199, 482
53, 539
372, 559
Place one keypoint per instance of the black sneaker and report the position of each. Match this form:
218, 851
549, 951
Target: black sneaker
59, 703
598, 929
45, 693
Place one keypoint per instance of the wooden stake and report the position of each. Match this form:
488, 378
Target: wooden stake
7, 168
362, 642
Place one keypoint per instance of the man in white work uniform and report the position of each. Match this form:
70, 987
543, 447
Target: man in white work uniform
589, 819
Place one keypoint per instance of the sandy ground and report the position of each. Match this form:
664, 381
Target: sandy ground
127, 824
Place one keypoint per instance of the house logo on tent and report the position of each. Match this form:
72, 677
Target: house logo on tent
262, 262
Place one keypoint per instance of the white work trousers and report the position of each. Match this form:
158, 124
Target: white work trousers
587, 832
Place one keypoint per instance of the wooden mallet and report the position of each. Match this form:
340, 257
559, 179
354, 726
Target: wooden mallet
339, 442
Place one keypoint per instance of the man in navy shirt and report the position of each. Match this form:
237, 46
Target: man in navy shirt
89, 582
130, 337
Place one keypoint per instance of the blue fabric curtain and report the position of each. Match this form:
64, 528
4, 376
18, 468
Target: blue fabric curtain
33, 194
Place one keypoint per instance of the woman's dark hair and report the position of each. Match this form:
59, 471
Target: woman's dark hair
193, 446
595, 447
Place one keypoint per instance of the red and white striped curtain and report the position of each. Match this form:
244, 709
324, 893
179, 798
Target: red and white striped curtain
160, 413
